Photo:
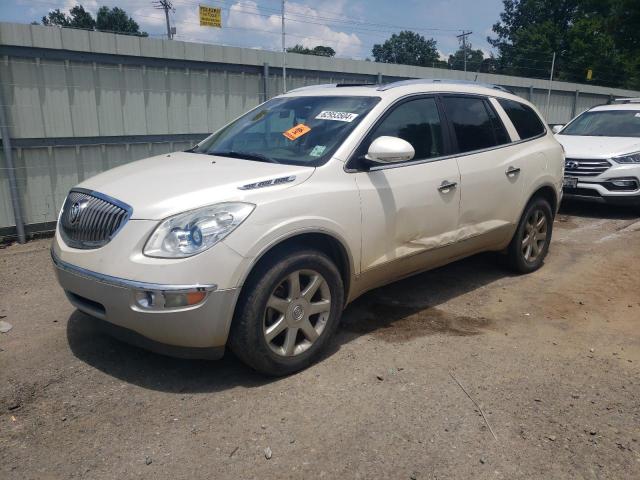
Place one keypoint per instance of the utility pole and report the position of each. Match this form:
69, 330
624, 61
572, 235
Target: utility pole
464, 36
284, 55
553, 65
166, 6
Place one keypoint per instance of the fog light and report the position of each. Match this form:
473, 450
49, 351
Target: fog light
154, 300
624, 183
146, 299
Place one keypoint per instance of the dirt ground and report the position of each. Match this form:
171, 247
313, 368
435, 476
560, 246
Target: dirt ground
552, 360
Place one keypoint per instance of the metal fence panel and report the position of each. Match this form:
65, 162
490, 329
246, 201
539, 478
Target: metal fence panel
82, 102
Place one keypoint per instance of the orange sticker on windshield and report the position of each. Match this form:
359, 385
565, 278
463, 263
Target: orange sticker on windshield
296, 131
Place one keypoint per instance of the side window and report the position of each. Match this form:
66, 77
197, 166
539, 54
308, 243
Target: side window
526, 121
417, 122
472, 123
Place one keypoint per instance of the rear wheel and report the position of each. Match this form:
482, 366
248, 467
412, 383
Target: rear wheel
530, 243
290, 310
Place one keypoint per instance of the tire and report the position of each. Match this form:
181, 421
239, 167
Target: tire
527, 250
271, 315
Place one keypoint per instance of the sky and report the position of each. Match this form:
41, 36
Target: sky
350, 27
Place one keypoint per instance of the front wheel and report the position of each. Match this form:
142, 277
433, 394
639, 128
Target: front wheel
530, 243
288, 312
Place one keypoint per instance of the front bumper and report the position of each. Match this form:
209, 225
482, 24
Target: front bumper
198, 331
599, 190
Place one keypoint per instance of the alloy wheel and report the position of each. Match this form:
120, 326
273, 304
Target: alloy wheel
536, 232
297, 312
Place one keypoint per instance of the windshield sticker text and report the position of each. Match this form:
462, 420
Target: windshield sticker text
297, 131
339, 116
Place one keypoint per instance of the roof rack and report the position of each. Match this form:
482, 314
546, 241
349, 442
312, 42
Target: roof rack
356, 84
626, 100
402, 83
311, 87
332, 85
418, 81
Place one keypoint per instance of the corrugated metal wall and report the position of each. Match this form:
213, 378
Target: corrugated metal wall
81, 102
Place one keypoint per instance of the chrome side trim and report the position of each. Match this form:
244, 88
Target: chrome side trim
124, 283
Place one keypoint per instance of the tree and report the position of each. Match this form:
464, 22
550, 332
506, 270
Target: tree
56, 17
108, 20
320, 50
323, 51
80, 18
474, 59
117, 20
598, 35
407, 48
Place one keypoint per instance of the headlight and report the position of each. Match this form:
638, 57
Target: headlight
629, 158
193, 232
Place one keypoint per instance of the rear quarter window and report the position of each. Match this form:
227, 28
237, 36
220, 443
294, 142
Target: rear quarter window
524, 119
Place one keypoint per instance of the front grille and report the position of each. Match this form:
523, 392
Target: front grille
90, 220
585, 167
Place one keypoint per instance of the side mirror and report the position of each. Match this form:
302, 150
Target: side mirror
390, 150
557, 128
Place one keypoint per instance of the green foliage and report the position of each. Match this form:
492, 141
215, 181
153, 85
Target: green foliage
56, 17
474, 59
407, 48
108, 20
80, 18
320, 50
117, 20
601, 35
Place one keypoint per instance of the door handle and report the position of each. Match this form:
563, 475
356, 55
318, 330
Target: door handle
446, 185
512, 171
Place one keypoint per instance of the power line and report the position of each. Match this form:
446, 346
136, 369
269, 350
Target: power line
464, 36
166, 6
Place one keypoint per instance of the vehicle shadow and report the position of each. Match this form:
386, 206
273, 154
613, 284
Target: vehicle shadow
396, 312
91, 344
585, 209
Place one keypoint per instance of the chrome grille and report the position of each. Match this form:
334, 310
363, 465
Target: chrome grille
90, 219
585, 167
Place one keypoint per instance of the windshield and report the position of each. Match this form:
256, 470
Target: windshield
606, 123
290, 130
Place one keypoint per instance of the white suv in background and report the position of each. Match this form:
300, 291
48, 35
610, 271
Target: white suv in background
260, 235
602, 147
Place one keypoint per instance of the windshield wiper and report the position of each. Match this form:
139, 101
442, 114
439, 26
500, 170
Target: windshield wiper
244, 155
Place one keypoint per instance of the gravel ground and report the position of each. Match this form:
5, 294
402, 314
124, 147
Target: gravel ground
462, 372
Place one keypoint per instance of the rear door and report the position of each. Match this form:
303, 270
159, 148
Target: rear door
490, 167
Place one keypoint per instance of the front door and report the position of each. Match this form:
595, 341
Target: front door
412, 207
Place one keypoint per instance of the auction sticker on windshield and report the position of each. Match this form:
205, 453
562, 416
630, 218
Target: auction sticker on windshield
296, 131
339, 116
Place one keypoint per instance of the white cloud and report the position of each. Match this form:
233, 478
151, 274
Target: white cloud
245, 24
89, 5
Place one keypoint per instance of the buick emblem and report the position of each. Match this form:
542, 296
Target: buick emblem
572, 165
74, 213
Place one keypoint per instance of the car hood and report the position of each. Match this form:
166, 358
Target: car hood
164, 185
577, 146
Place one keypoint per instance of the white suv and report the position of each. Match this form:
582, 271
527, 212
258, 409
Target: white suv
261, 234
603, 154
